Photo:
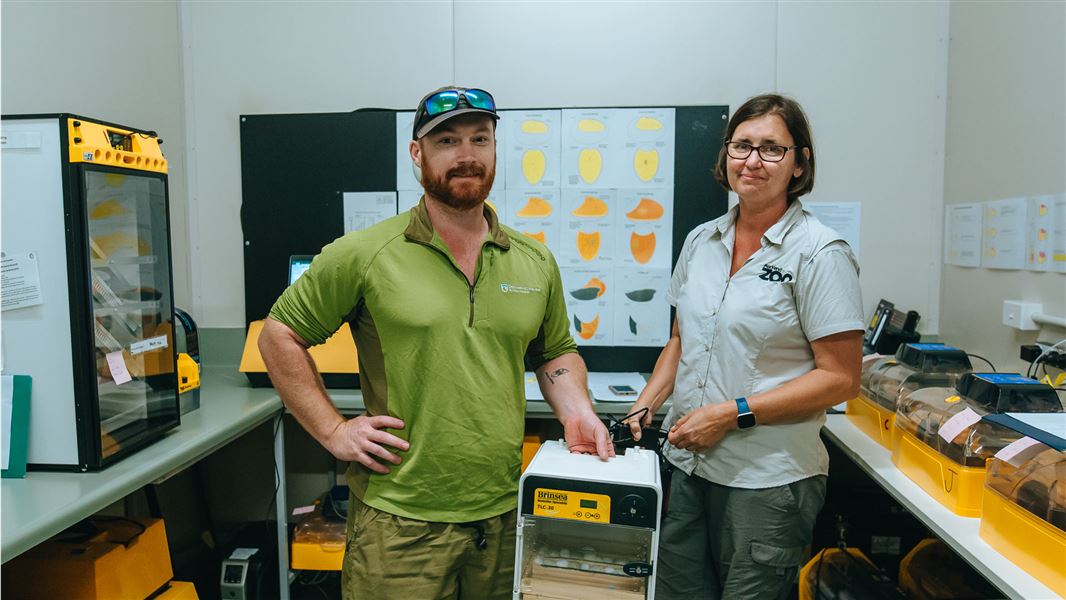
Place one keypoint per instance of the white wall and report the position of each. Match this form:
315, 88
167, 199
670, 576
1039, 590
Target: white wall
873, 78
261, 58
867, 74
115, 61
1006, 138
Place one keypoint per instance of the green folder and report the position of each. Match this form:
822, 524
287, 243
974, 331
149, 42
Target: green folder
18, 440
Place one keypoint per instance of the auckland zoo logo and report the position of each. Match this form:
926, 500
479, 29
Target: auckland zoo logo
775, 274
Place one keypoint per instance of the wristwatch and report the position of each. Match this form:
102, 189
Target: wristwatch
745, 418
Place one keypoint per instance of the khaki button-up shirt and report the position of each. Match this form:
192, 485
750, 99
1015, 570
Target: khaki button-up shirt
751, 332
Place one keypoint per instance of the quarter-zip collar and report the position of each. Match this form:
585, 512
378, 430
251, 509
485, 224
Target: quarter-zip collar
420, 229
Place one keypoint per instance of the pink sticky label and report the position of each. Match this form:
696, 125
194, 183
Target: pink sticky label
1012, 450
954, 426
300, 510
119, 372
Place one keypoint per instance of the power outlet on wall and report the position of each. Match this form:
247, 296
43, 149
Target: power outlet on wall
1019, 315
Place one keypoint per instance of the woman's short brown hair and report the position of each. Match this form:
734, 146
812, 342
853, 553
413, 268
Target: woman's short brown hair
792, 114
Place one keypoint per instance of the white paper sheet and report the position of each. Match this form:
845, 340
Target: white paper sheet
1046, 234
536, 214
117, 363
592, 152
407, 199
1053, 423
1003, 239
643, 239
587, 232
843, 217
956, 424
364, 209
588, 304
530, 153
647, 147
143, 346
600, 384
533, 392
1015, 452
962, 235
641, 311
7, 383
407, 176
20, 282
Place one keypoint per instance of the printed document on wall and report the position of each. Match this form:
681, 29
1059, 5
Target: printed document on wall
363, 209
843, 217
962, 235
21, 281
1046, 235
1003, 240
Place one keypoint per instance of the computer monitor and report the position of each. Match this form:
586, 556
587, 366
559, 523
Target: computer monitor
298, 263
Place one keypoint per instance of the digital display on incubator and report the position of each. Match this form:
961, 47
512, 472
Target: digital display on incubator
588, 504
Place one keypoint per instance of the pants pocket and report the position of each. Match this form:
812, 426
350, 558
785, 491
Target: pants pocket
776, 556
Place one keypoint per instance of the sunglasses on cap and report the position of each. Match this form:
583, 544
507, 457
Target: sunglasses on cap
434, 108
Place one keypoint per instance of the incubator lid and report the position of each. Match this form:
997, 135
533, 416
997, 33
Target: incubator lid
636, 467
1008, 392
1032, 478
933, 357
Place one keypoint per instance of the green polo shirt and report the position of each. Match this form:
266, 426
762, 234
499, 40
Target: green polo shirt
442, 355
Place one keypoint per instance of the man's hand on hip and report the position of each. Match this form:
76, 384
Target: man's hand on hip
363, 438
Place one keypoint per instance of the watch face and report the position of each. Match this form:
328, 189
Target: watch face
746, 420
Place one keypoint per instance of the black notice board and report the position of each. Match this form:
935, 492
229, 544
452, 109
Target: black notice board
295, 168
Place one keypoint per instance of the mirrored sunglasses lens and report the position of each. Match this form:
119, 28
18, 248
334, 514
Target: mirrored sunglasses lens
442, 102
480, 99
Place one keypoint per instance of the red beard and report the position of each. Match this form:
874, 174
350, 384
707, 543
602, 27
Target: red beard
459, 194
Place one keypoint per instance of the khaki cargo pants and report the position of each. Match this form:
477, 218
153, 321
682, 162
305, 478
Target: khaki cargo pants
390, 557
729, 543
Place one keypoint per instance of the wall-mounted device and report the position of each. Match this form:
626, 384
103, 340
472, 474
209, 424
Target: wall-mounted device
889, 328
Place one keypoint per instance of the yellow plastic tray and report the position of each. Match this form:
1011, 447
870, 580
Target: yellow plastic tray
179, 590
957, 487
1035, 545
872, 419
317, 557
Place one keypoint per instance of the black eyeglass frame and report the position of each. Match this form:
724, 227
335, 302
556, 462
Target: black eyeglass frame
754, 148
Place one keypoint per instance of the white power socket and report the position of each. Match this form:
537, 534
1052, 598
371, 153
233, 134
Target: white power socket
1019, 315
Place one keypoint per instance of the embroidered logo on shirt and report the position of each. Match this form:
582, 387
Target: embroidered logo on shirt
775, 274
510, 288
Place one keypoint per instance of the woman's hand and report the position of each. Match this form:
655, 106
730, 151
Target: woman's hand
638, 421
704, 427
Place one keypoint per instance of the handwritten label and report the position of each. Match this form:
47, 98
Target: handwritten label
119, 372
955, 425
149, 344
1015, 452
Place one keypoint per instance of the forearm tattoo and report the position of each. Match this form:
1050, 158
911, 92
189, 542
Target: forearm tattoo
556, 373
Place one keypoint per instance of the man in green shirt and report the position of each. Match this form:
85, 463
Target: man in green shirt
446, 305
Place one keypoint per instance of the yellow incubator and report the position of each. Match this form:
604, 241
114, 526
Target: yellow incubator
885, 380
941, 442
1024, 513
